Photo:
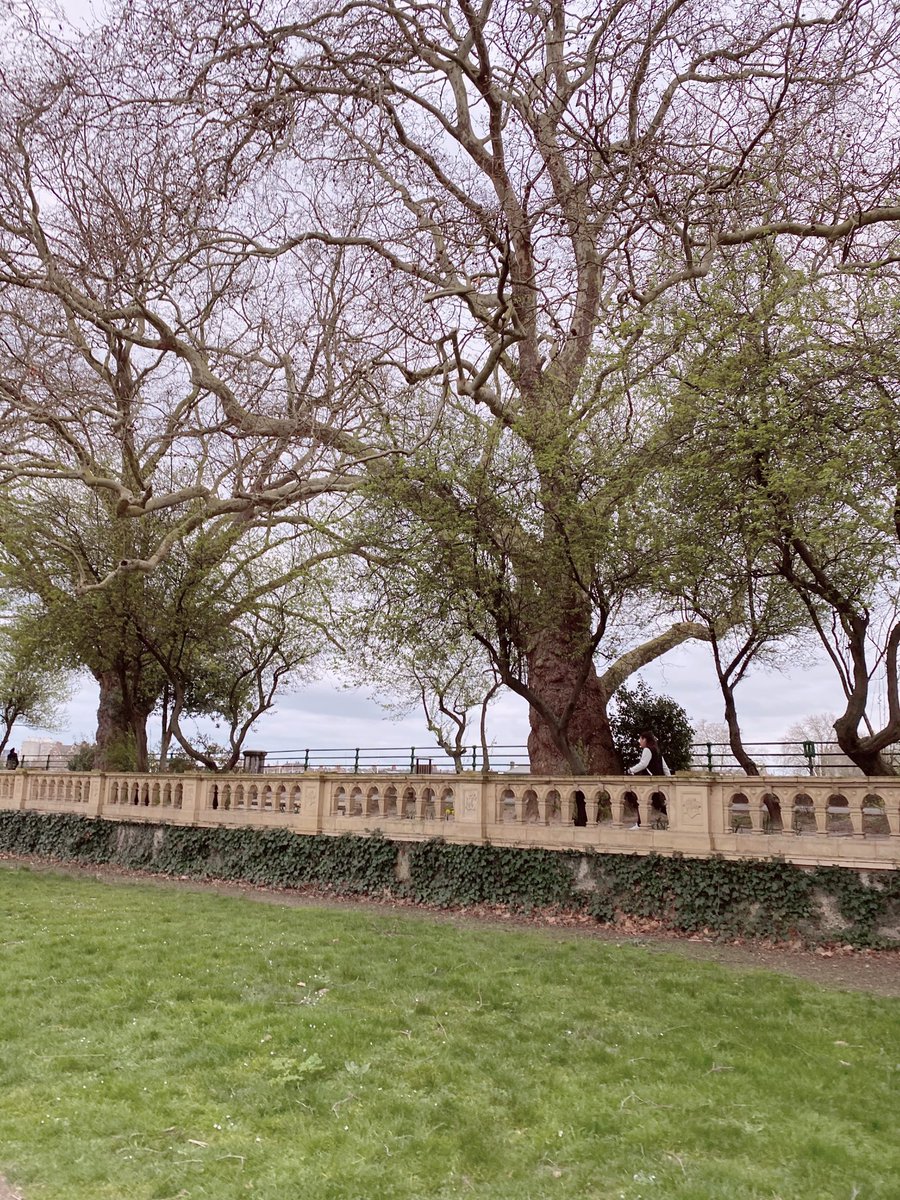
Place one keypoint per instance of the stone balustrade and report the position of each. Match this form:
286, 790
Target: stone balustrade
803, 819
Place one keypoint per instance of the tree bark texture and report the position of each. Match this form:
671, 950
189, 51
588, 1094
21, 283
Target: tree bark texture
121, 726
570, 730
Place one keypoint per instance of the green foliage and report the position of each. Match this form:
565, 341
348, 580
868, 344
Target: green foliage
83, 757
861, 903
121, 753
637, 709
763, 899
752, 898
444, 874
33, 684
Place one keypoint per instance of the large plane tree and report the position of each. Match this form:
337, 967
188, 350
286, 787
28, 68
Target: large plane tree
472, 213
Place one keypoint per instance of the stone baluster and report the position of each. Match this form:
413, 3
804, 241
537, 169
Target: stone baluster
819, 813
855, 802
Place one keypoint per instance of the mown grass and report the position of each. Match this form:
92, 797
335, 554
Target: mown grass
161, 1044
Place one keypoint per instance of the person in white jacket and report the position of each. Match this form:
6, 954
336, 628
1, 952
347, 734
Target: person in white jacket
651, 762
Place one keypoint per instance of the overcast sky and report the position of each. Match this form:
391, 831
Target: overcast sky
323, 716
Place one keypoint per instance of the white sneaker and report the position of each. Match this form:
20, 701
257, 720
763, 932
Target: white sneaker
630, 827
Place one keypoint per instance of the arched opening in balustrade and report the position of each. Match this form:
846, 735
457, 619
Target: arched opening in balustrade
356, 803
267, 799
429, 805
390, 801
373, 802
114, 793
51, 790
739, 813
874, 816
578, 804
408, 804
838, 820
339, 801
281, 800
531, 813
145, 794
67, 787
630, 813
253, 796
179, 795
773, 821
804, 814
79, 795
43, 792
604, 807
135, 794
507, 805
658, 816
448, 804
554, 807
240, 801
154, 798
837, 816
214, 796
296, 798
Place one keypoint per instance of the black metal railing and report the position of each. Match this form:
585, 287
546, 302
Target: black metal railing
778, 758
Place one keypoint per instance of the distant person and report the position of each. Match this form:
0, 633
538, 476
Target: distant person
651, 762
12, 759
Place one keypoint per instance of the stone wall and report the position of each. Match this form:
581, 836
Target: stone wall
814, 821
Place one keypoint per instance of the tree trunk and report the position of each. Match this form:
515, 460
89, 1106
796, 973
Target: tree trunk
734, 732
165, 739
865, 753
121, 727
570, 731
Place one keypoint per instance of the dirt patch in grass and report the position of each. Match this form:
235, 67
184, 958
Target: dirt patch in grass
8, 1193
875, 971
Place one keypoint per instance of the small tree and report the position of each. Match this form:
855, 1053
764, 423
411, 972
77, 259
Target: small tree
31, 687
638, 709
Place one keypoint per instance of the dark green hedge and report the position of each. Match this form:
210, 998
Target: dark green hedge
753, 898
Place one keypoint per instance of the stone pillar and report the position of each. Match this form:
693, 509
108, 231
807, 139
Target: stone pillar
20, 789
696, 813
315, 803
470, 806
193, 794
97, 796
254, 762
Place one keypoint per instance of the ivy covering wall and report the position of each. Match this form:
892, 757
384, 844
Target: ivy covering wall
771, 899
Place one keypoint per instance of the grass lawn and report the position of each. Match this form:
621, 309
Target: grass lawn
162, 1043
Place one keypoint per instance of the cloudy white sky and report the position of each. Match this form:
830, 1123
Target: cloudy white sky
323, 716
